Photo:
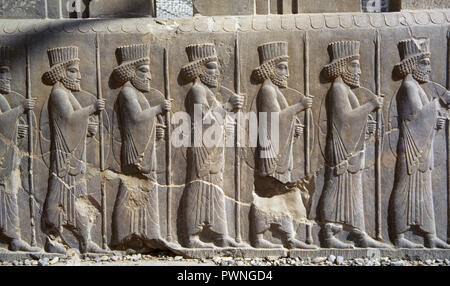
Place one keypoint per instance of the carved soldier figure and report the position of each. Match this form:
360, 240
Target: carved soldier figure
341, 204
136, 213
277, 199
203, 201
12, 106
67, 204
419, 119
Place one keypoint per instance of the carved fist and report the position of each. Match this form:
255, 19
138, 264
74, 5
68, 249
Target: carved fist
166, 105
307, 101
378, 102
440, 122
29, 104
237, 101
22, 131
299, 129
100, 105
160, 131
92, 129
371, 126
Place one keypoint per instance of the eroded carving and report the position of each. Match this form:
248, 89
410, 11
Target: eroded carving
420, 118
341, 204
278, 200
138, 110
67, 204
12, 128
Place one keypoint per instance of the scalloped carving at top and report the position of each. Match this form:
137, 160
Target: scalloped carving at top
230, 24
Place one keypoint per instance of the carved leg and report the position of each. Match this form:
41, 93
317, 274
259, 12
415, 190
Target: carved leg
291, 242
432, 241
366, 241
17, 244
87, 245
52, 246
331, 241
195, 242
260, 242
401, 242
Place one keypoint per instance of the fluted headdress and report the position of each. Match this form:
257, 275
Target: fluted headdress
198, 56
58, 59
269, 55
4, 56
411, 51
342, 52
130, 57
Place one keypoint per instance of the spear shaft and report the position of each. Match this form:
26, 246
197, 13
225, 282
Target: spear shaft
30, 147
237, 159
168, 146
448, 137
102, 143
378, 140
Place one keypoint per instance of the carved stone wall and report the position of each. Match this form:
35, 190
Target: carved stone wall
104, 176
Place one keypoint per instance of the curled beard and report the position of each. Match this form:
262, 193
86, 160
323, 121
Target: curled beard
351, 79
421, 76
209, 80
141, 84
71, 84
5, 86
279, 80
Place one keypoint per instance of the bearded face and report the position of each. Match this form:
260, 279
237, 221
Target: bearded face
72, 78
422, 73
210, 76
5, 80
142, 78
352, 75
281, 74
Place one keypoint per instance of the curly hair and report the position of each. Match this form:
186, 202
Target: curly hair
57, 72
126, 71
409, 64
266, 70
339, 66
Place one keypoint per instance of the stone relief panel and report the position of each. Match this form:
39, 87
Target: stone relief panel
125, 154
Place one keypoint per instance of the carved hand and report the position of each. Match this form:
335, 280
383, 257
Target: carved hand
237, 101
307, 102
92, 129
29, 104
371, 126
299, 129
440, 122
100, 105
22, 131
160, 131
166, 105
378, 102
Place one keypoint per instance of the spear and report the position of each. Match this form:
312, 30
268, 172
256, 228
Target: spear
30, 147
102, 143
168, 146
448, 137
309, 238
378, 139
237, 158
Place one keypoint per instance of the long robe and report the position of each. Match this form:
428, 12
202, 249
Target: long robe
203, 200
9, 170
342, 196
277, 199
68, 161
412, 201
136, 208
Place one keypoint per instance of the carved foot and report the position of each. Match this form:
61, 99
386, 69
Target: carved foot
295, 243
91, 247
54, 247
404, 243
20, 245
366, 241
435, 242
162, 244
197, 243
333, 242
226, 241
262, 243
